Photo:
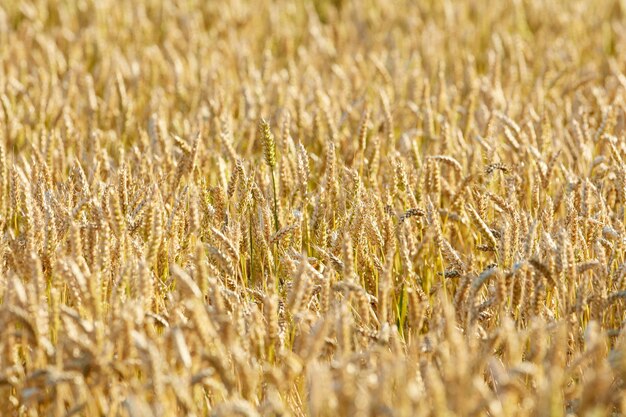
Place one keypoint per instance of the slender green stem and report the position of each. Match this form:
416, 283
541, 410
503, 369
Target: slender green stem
251, 249
275, 201
275, 271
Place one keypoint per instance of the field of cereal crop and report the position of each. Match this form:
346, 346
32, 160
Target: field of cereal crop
312, 208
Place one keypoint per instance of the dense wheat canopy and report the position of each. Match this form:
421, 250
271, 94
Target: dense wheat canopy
312, 208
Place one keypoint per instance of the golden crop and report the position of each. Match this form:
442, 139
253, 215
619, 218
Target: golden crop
312, 208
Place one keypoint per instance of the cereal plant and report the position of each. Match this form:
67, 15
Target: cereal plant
312, 208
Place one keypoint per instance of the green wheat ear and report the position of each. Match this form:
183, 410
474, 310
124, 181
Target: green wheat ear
269, 144
269, 152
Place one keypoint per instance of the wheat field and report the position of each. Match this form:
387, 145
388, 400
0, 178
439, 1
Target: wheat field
312, 208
